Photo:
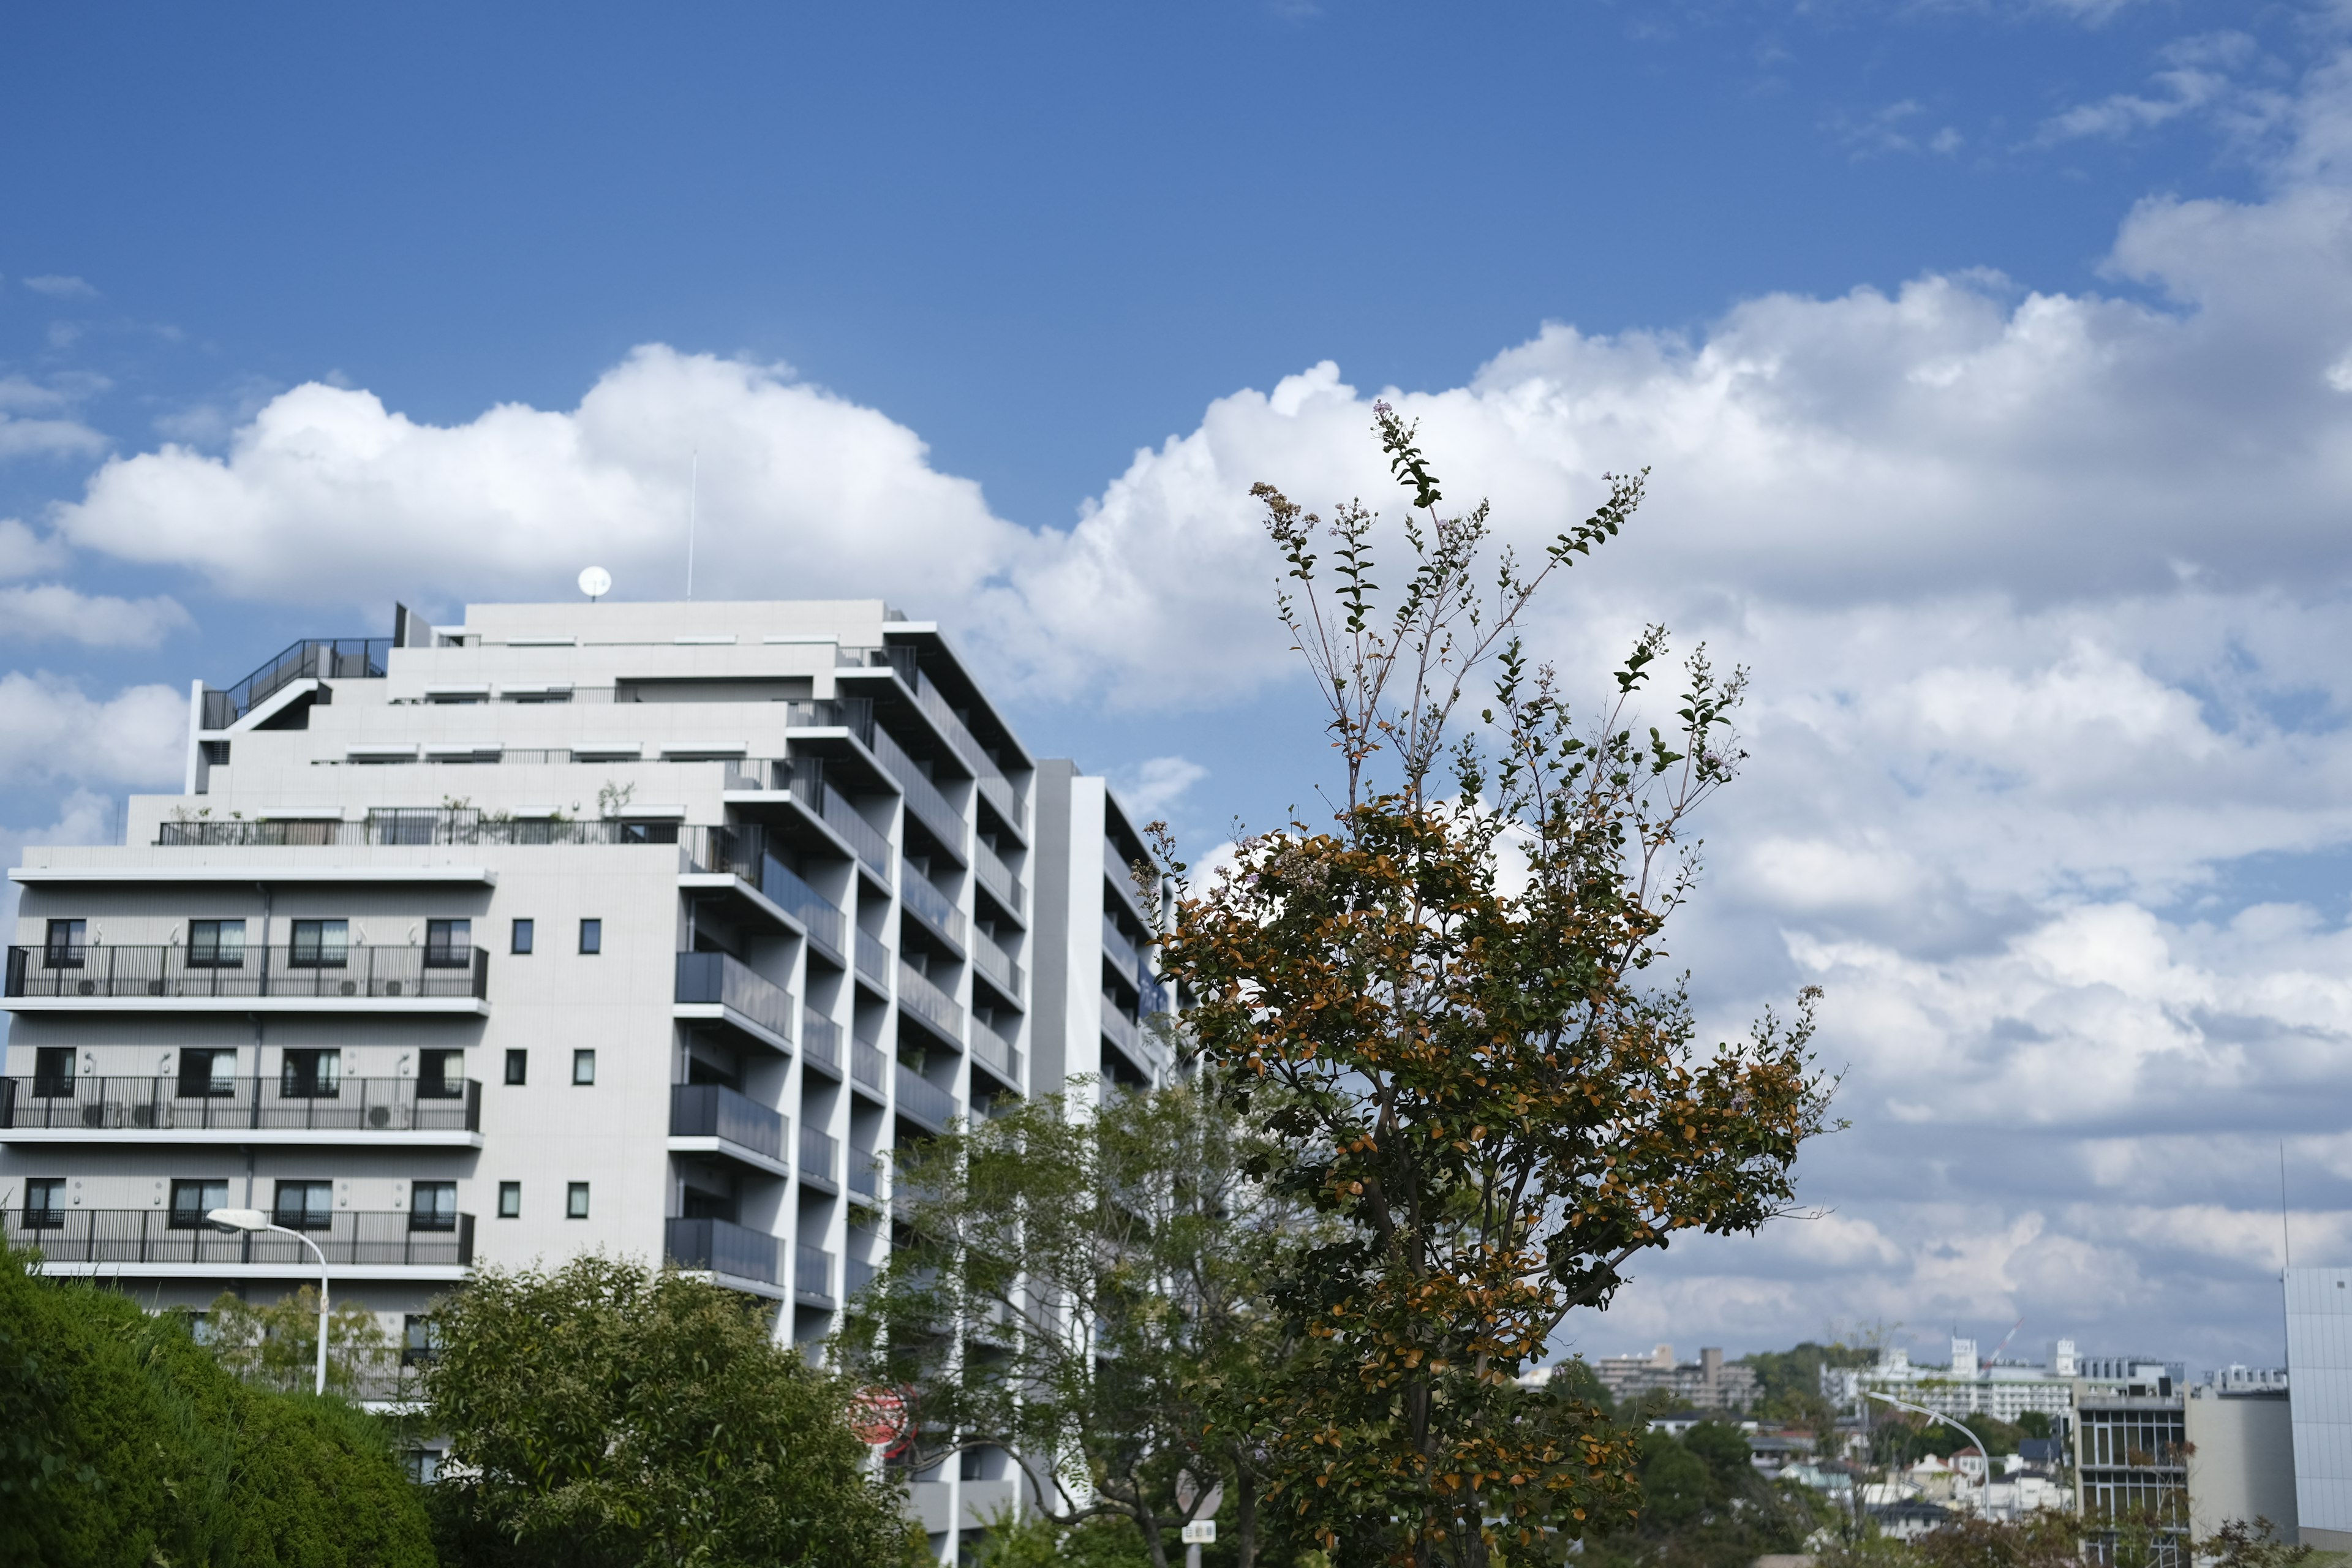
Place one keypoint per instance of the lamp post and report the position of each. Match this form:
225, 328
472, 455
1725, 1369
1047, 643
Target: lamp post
254, 1219
1955, 1426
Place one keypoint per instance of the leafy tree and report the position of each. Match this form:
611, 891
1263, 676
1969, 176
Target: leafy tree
1789, 1382
2044, 1539
1077, 1285
277, 1344
124, 1442
2242, 1544
1575, 1379
602, 1414
1441, 1002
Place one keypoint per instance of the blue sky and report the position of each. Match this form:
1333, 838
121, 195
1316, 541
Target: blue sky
1990, 357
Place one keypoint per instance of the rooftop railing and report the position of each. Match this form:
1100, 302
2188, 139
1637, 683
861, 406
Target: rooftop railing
354, 970
715, 1111
927, 1002
289, 1102
720, 1246
722, 978
324, 658
422, 826
349, 1237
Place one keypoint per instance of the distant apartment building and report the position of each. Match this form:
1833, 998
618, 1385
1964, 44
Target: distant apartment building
1709, 1382
2130, 1444
652, 927
2319, 1355
1966, 1386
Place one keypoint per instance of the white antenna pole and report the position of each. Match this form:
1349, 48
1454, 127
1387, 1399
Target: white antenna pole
693, 503
2286, 1239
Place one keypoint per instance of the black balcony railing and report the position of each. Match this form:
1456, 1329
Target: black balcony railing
266, 1104
722, 1247
326, 658
725, 979
714, 1111
307, 970
350, 1237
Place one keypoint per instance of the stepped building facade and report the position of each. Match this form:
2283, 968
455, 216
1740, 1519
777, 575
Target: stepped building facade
646, 928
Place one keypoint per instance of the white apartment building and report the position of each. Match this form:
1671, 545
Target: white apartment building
1968, 1387
651, 928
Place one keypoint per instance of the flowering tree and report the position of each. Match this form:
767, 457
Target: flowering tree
1439, 1008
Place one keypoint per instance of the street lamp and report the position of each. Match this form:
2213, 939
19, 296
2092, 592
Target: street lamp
1939, 1415
254, 1219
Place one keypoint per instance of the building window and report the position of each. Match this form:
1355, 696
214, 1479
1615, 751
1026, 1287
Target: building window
310, 1075
53, 1072
591, 936
509, 1200
448, 944
192, 1200
517, 1067
305, 1206
522, 932
215, 944
421, 1341
432, 1205
321, 944
63, 949
424, 1466
207, 1073
583, 1067
575, 1201
441, 1075
45, 1203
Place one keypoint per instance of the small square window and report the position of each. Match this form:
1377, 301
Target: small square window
63, 949
522, 943
583, 1067
591, 936
194, 1199
53, 1072
432, 1205
215, 944
517, 1067
509, 1200
575, 1201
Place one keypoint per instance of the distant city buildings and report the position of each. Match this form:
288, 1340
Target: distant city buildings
1709, 1382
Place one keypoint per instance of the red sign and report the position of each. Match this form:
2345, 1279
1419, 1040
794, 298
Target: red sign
879, 1416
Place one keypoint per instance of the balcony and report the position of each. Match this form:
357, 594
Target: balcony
820, 1153
813, 1275
931, 907
819, 916
999, 967
997, 877
868, 1066
734, 1253
712, 1119
923, 798
874, 962
359, 1112
997, 1054
859, 1274
720, 985
355, 979
1118, 869
1141, 1047
926, 1001
820, 1041
158, 1243
854, 714
865, 1174
1124, 959
924, 1103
